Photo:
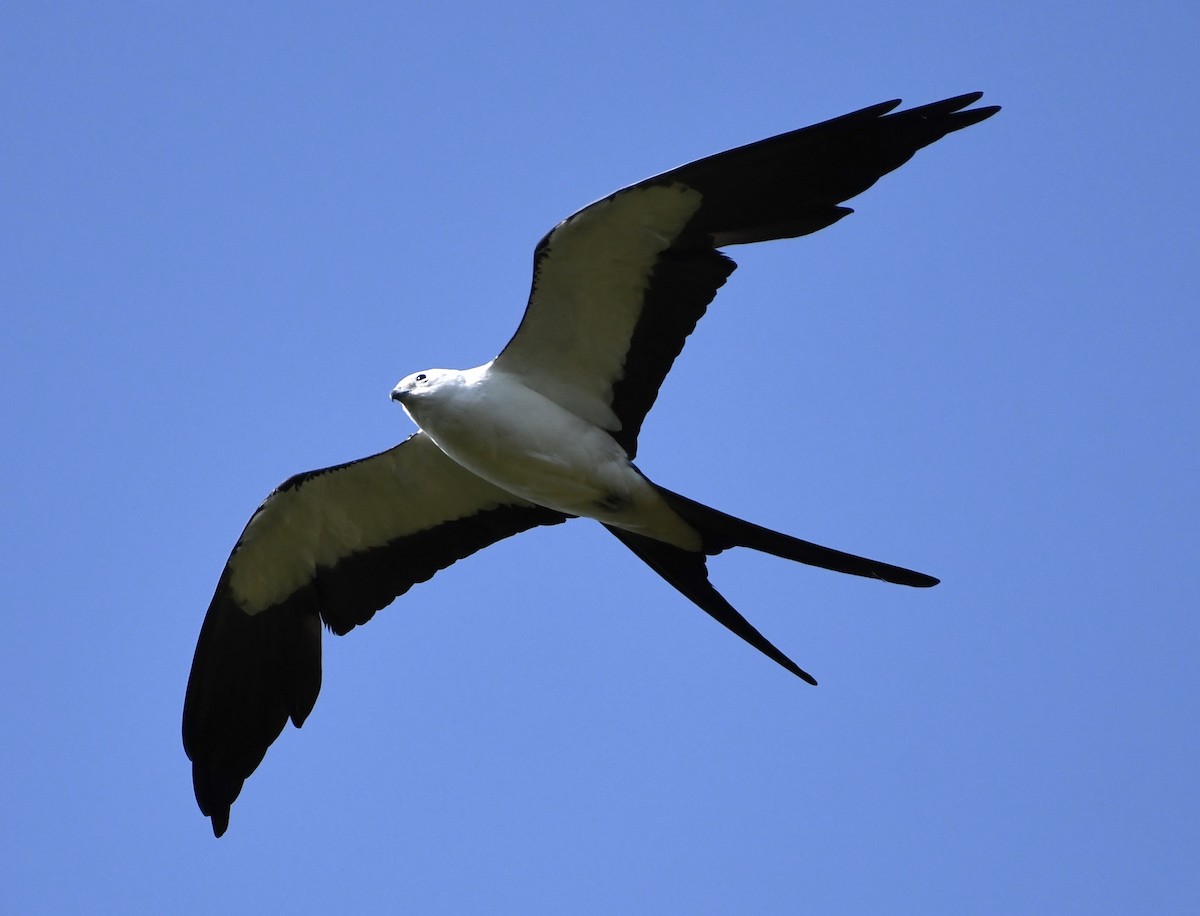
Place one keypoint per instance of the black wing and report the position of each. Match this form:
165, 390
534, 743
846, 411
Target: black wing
619, 286
331, 546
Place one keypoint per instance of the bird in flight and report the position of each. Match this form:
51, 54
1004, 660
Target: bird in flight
545, 432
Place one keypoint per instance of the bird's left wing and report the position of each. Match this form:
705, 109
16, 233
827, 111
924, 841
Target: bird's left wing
331, 546
619, 286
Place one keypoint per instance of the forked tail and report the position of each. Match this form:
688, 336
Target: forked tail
721, 531
687, 570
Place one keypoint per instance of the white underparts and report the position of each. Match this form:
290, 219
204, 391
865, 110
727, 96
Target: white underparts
495, 426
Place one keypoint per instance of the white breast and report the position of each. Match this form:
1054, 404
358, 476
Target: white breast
517, 439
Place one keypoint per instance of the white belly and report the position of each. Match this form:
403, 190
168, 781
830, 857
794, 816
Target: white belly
528, 445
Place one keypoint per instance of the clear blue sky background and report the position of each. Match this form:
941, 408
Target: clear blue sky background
228, 229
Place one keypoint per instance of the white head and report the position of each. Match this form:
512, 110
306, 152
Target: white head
425, 385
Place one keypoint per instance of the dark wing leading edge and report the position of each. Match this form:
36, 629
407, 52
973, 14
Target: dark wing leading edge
331, 546
619, 286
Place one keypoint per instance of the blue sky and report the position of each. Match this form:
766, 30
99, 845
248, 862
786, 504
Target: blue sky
229, 229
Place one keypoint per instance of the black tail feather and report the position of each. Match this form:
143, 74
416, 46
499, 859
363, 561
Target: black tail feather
721, 531
687, 572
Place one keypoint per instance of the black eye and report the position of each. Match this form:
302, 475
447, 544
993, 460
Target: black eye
421, 377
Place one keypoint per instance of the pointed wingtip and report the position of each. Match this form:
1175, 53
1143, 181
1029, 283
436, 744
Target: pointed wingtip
951, 114
967, 98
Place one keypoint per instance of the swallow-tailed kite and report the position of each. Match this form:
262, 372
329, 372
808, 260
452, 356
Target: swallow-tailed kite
545, 432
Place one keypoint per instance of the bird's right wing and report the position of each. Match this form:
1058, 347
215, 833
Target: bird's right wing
331, 546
